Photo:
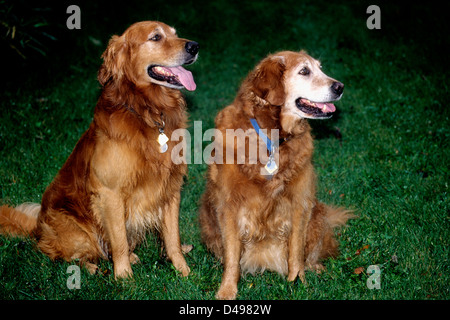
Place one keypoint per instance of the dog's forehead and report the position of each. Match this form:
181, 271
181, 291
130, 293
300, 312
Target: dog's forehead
294, 60
166, 29
306, 59
145, 30
155, 30
163, 29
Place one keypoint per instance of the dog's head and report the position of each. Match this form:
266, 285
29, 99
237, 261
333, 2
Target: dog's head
295, 82
149, 52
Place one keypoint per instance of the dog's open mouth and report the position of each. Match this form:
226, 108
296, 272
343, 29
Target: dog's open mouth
176, 76
315, 109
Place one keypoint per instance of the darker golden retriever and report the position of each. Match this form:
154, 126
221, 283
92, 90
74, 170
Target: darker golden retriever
265, 215
120, 180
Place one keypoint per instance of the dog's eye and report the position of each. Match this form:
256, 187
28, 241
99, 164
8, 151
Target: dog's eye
156, 37
304, 71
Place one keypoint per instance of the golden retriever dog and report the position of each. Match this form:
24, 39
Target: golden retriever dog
119, 182
254, 217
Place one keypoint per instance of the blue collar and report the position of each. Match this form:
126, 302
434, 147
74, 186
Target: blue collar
267, 141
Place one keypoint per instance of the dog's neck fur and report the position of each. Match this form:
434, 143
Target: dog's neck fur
145, 104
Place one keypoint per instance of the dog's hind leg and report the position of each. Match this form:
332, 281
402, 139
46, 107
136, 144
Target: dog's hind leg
210, 231
64, 238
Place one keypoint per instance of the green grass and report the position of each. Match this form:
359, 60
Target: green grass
385, 154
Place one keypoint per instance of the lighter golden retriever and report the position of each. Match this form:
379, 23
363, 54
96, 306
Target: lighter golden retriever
255, 217
120, 181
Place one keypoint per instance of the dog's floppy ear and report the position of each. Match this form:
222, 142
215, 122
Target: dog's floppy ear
113, 60
268, 80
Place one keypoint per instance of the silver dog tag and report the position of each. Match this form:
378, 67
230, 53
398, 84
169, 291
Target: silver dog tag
271, 166
163, 148
162, 140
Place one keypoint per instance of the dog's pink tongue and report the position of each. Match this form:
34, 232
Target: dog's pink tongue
185, 77
326, 107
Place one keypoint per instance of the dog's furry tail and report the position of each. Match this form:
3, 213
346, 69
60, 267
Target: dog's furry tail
337, 216
19, 221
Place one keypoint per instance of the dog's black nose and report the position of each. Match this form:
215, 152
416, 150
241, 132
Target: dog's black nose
337, 88
192, 47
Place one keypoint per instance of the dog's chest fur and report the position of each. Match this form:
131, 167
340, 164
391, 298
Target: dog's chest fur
144, 179
259, 219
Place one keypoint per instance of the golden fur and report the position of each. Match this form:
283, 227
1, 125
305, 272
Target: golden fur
116, 185
253, 223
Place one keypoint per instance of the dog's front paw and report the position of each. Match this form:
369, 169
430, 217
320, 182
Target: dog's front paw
301, 275
186, 248
134, 259
123, 273
227, 292
297, 271
317, 268
182, 267
185, 271
292, 275
91, 267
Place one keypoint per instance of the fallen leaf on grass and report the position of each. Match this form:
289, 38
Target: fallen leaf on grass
358, 270
362, 249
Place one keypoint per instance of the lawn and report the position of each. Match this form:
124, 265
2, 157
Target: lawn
385, 154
